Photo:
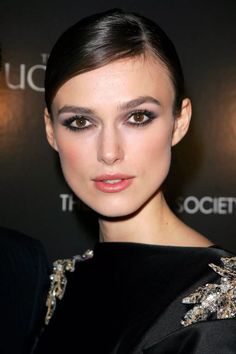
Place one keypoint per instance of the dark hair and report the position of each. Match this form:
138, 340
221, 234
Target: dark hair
102, 38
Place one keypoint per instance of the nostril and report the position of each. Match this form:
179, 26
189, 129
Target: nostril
110, 151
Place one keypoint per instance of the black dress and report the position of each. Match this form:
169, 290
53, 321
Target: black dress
128, 299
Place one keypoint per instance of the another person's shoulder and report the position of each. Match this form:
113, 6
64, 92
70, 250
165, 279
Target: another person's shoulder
12, 237
24, 278
17, 244
22, 259
21, 254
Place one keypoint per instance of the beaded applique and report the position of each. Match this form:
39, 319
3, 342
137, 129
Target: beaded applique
59, 281
219, 299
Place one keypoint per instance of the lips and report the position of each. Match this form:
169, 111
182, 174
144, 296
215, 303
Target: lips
112, 183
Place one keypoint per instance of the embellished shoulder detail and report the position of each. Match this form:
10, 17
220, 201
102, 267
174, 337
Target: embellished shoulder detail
218, 299
59, 281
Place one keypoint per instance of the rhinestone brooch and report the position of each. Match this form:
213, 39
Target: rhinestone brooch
218, 299
59, 281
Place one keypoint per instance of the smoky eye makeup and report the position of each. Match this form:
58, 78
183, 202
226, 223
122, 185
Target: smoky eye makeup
135, 119
77, 123
141, 117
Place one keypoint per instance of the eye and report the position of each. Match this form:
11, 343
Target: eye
80, 123
141, 118
77, 123
138, 118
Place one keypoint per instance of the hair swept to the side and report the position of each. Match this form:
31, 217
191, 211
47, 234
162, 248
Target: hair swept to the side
99, 39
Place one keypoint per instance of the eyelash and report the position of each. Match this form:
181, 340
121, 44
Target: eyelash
67, 123
149, 114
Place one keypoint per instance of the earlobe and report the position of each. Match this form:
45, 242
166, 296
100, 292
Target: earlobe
49, 130
182, 121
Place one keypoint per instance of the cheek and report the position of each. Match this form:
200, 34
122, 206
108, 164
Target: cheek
72, 156
153, 149
158, 160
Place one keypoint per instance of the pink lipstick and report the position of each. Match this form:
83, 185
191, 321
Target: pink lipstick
112, 183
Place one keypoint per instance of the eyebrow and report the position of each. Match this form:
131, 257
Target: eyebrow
138, 101
123, 106
75, 109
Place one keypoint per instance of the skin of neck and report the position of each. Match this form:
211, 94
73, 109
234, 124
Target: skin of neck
154, 223
150, 224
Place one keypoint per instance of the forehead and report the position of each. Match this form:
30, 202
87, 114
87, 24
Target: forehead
121, 80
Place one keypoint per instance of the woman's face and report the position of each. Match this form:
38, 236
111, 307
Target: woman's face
113, 128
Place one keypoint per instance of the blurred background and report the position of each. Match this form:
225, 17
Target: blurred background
201, 187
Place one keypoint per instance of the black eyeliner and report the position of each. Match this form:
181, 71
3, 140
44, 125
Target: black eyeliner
68, 121
150, 114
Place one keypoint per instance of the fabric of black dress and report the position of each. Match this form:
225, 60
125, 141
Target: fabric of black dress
128, 299
24, 275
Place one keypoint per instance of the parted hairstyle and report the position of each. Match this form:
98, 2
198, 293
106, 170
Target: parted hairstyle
102, 38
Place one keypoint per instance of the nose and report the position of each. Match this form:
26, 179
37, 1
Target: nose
110, 149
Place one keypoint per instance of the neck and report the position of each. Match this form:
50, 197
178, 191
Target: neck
151, 224
154, 224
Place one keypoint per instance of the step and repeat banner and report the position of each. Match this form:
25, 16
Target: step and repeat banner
201, 187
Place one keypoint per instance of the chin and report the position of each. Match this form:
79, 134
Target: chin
118, 212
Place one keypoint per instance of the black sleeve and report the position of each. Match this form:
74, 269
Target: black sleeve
216, 336
24, 280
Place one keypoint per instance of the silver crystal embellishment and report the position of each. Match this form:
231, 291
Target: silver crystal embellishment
59, 281
218, 299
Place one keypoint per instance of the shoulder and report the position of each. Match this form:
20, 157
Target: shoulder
203, 317
23, 265
61, 268
10, 237
217, 336
22, 259
24, 283
16, 247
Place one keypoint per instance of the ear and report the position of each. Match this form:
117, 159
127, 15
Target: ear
182, 121
50, 130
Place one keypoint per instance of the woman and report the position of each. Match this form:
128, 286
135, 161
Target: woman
115, 107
